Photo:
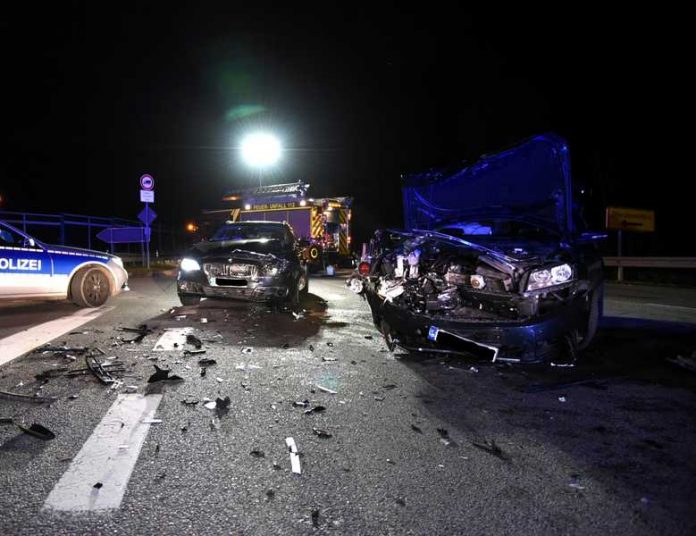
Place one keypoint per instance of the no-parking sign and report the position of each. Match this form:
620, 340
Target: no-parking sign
147, 182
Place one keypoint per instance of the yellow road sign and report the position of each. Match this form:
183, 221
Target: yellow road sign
630, 219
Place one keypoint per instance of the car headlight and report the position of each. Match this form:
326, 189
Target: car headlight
549, 277
274, 268
189, 265
118, 261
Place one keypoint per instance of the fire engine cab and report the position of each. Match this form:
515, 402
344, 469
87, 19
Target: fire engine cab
322, 225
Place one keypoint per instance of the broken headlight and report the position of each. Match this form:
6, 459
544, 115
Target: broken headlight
549, 277
275, 268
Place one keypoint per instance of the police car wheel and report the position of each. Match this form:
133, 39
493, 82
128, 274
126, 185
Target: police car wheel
90, 287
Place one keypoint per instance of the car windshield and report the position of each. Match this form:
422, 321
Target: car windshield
249, 231
500, 228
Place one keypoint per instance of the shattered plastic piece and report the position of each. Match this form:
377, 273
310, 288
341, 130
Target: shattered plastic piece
416, 429
210, 405
270, 494
74, 397
561, 399
38, 431
204, 371
285, 346
247, 350
326, 390
379, 398
207, 361
189, 402
389, 386
194, 352
400, 501
222, 405
302, 404
219, 380
369, 337
329, 359
329, 344
256, 453
97, 368
575, 483
204, 320
315, 409
193, 341
688, 363
321, 433
474, 370
252, 367
315, 519
311, 348
98, 485
163, 375
297, 316
294, 457
131, 388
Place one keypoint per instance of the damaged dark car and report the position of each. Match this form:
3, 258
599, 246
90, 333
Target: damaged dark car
493, 261
252, 261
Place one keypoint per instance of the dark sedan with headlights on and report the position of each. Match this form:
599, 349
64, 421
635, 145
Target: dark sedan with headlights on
251, 260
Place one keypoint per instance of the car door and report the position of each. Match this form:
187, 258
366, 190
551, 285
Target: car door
25, 266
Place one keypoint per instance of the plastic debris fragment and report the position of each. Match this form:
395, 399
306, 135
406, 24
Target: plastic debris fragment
321, 433
38, 431
326, 390
294, 457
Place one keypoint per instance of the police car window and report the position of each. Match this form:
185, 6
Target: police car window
8, 238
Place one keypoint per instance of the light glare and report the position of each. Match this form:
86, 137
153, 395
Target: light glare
261, 150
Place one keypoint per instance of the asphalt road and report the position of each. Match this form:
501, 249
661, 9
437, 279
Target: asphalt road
417, 446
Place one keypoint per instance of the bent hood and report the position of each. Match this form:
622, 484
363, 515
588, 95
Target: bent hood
226, 247
529, 181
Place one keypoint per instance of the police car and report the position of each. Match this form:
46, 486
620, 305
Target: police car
30, 269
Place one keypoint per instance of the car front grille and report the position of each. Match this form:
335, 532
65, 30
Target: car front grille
231, 270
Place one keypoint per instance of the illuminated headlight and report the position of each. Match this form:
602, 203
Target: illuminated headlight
549, 277
275, 268
189, 265
118, 261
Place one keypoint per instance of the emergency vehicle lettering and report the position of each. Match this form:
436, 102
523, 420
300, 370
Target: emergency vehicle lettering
33, 265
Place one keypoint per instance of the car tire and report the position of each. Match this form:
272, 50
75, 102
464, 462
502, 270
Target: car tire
594, 313
90, 287
189, 299
303, 283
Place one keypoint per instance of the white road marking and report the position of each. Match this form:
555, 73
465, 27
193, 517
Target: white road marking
25, 341
107, 457
172, 339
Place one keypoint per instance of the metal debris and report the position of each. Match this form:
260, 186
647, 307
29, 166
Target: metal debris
315, 409
99, 370
321, 433
27, 398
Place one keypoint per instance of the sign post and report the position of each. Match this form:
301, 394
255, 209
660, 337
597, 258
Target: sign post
628, 219
147, 215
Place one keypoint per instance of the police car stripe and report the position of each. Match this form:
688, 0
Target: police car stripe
56, 252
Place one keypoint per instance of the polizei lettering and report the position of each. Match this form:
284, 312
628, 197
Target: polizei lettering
29, 265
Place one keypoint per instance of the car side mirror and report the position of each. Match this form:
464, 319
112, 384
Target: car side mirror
30, 242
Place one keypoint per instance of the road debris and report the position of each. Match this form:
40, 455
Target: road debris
416, 429
326, 390
445, 439
315, 519
321, 433
369, 337
98, 485
247, 350
131, 389
27, 398
379, 398
194, 352
141, 330
204, 320
194, 341
302, 404
491, 447
37, 431
190, 401
575, 482
328, 359
256, 453
152, 421
400, 501
270, 494
329, 344
163, 375
62, 349
561, 399
294, 457
389, 386
311, 348
204, 371
688, 363
315, 409
207, 361
102, 372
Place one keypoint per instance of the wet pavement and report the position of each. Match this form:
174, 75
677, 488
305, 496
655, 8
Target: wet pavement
404, 444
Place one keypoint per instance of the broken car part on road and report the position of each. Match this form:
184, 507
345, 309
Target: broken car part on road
493, 262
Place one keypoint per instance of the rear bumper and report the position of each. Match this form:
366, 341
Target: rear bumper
532, 341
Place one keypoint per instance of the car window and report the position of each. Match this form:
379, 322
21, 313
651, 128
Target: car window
247, 231
10, 238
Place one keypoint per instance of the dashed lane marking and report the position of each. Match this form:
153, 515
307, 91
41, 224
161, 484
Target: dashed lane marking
98, 476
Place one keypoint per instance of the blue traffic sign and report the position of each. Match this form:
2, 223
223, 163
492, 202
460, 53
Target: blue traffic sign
147, 216
147, 182
123, 235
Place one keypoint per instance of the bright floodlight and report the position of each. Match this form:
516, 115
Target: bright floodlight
261, 150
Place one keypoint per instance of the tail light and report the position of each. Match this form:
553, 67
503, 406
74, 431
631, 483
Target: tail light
364, 268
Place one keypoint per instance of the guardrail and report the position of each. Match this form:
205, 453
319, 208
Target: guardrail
649, 262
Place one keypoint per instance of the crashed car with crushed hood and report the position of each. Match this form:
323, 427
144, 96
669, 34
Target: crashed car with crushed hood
251, 260
493, 261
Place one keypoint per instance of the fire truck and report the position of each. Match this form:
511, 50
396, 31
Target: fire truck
322, 225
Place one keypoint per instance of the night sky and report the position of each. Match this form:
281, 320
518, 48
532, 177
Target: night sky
97, 94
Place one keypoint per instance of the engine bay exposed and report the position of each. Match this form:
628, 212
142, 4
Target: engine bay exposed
435, 274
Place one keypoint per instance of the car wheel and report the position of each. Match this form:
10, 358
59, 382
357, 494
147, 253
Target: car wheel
589, 330
189, 299
90, 287
303, 283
